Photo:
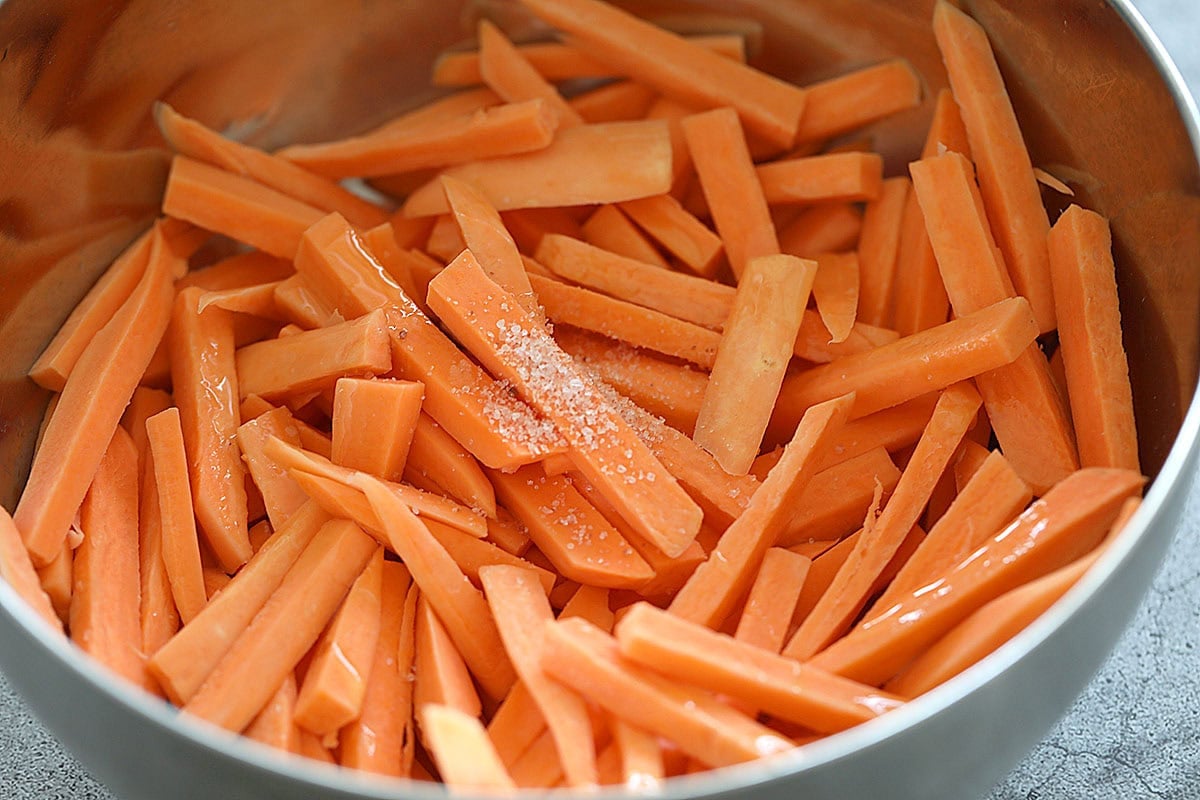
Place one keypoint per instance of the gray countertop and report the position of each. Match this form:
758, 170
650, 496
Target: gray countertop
1133, 734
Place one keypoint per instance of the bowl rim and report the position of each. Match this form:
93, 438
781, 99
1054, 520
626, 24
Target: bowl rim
1173, 476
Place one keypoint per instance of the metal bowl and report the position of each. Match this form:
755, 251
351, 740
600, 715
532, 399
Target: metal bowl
1099, 103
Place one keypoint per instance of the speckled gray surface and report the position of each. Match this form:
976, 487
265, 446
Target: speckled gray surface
1133, 735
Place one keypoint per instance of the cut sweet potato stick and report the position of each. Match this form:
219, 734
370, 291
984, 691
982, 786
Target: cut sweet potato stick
522, 612
378, 740
970, 458
445, 239
587, 164
180, 544
813, 343
205, 384
877, 249
558, 61
850, 101
685, 297
182, 664
608, 228
641, 756
1067, 522
458, 604
673, 112
335, 683
257, 300
529, 225
282, 496
488, 134
237, 271
755, 349
574, 536
846, 177
373, 424
56, 581
990, 500
498, 429
17, 571
437, 457
298, 304
767, 615
848, 594
892, 429
590, 603
677, 67
915, 365
661, 641
1023, 406
836, 289
190, 138
440, 676
1006, 180
838, 498
587, 660
465, 756
722, 581
730, 185
506, 72
605, 448
158, 616
275, 725
384, 243
539, 766
90, 408
1089, 331
669, 223
286, 627
516, 725
473, 554
484, 233
238, 207
145, 403
824, 228
104, 617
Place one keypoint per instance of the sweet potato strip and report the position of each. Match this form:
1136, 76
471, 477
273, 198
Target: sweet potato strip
104, 617
850, 101
487, 134
281, 494
373, 424
845, 177
522, 612
465, 756
837, 499
715, 588
587, 660
1089, 331
882, 537
90, 408
603, 163
755, 349
877, 251
1006, 180
484, 233
440, 676
772, 600
17, 571
670, 224
190, 138
275, 725
507, 73
458, 604
158, 616
286, 627
836, 290
473, 554
184, 663
1066, 523
731, 186
436, 457
605, 448
609, 229
824, 228
685, 651
516, 725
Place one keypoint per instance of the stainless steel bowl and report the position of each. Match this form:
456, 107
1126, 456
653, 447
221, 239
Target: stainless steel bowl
1099, 103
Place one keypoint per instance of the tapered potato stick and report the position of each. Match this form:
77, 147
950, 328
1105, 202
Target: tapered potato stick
238, 207
590, 603
473, 554
877, 251
685, 651
641, 756
275, 725
205, 384
850, 101
678, 68
516, 725
459, 605
846, 177
915, 365
824, 228
237, 271
440, 675
158, 616
522, 612
670, 224
335, 683
182, 664
608, 228
1089, 330
373, 424
838, 498
731, 187
506, 72
17, 571
1006, 181
465, 756
483, 231
772, 600
836, 290
604, 163
104, 617
606, 449
298, 304
90, 408
282, 496
559, 61
257, 300
438, 458
487, 133
722, 581
755, 349
882, 537
190, 138
286, 627
384, 242
587, 660
1063, 525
